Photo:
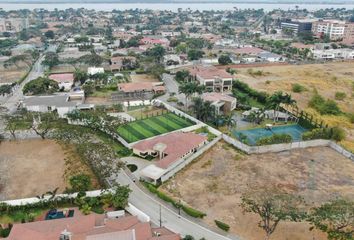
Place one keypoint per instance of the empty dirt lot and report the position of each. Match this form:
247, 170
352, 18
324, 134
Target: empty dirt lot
142, 78
33, 167
215, 182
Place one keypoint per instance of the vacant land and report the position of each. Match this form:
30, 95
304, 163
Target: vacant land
12, 74
33, 167
215, 182
152, 126
326, 79
143, 78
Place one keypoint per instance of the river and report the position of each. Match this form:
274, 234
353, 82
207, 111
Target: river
169, 6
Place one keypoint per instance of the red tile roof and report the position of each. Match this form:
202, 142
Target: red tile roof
83, 227
209, 72
177, 144
214, 97
248, 50
62, 77
140, 86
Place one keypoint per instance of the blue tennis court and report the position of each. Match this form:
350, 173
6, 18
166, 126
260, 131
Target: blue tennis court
253, 135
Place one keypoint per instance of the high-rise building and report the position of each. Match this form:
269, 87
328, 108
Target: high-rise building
13, 24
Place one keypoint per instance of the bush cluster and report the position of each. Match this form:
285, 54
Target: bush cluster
188, 210
336, 134
222, 225
274, 139
324, 106
297, 88
242, 92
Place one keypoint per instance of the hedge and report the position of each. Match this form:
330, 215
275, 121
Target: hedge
188, 210
222, 225
193, 212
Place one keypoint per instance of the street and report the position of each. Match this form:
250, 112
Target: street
169, 218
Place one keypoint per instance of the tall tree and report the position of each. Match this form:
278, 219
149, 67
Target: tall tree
336, 218
272, 208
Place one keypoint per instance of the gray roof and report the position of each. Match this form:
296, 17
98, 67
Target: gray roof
268, 55
53, 100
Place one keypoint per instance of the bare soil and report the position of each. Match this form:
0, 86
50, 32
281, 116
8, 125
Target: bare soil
33, 167
215, 182
13, 73
143, 78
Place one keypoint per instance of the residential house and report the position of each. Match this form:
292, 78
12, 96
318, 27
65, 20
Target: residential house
64, 80
171, 150
223, 103
331, 54
270, 57
122, 63
61, 103
91, 227
137, 91
214, 79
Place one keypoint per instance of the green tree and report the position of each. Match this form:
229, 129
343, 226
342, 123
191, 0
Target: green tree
51, 59
336, 218
49, 34
157, 52
120, 196
91, 59
224, 60
272, 207
195, 54
182, 76
190, 88
41, 85
80, 76
80, 183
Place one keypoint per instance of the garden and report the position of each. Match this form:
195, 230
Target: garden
152, 126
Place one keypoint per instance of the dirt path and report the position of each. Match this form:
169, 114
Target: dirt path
215, 183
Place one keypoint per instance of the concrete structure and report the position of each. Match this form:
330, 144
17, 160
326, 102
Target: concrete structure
94, 70
62, 104
296, 26
333, 28
122, 63
222, 102
64, 80
170, 150
90, 227
332, 54
137, 91
214, 79
13, 24
270, 57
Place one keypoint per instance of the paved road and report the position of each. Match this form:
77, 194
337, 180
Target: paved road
38, 69
170, 219
171, 88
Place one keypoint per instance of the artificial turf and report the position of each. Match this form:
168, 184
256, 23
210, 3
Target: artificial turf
153, 126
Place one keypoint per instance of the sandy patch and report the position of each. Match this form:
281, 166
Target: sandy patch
143, 78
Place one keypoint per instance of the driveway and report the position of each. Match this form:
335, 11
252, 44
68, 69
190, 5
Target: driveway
139, 162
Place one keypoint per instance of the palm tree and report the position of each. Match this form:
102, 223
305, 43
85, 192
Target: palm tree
230, 122
189, 88
277, 99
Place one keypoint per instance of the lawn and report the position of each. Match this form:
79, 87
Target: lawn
152, 126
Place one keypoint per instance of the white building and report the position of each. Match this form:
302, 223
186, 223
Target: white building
331, 54
94, 70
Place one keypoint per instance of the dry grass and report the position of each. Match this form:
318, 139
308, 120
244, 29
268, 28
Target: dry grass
215, 182
143, 78
33, 167
12, 74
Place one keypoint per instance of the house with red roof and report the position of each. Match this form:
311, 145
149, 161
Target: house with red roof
222, 102
64, 80
90, 227
214, 79
171, 151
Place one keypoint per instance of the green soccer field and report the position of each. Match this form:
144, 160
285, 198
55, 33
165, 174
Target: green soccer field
153, 126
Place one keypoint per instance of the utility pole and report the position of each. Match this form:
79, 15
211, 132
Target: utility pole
160, 217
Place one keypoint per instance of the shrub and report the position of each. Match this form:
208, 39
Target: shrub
274, 139
337, 134
193, 212
340, 96
324, 106
222, 225
297, 88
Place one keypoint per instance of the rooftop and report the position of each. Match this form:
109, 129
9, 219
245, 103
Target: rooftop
177, 145
90, 227
62, 77
140, 86
209, 72
215, 97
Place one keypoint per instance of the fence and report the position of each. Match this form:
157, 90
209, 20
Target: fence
287, 146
